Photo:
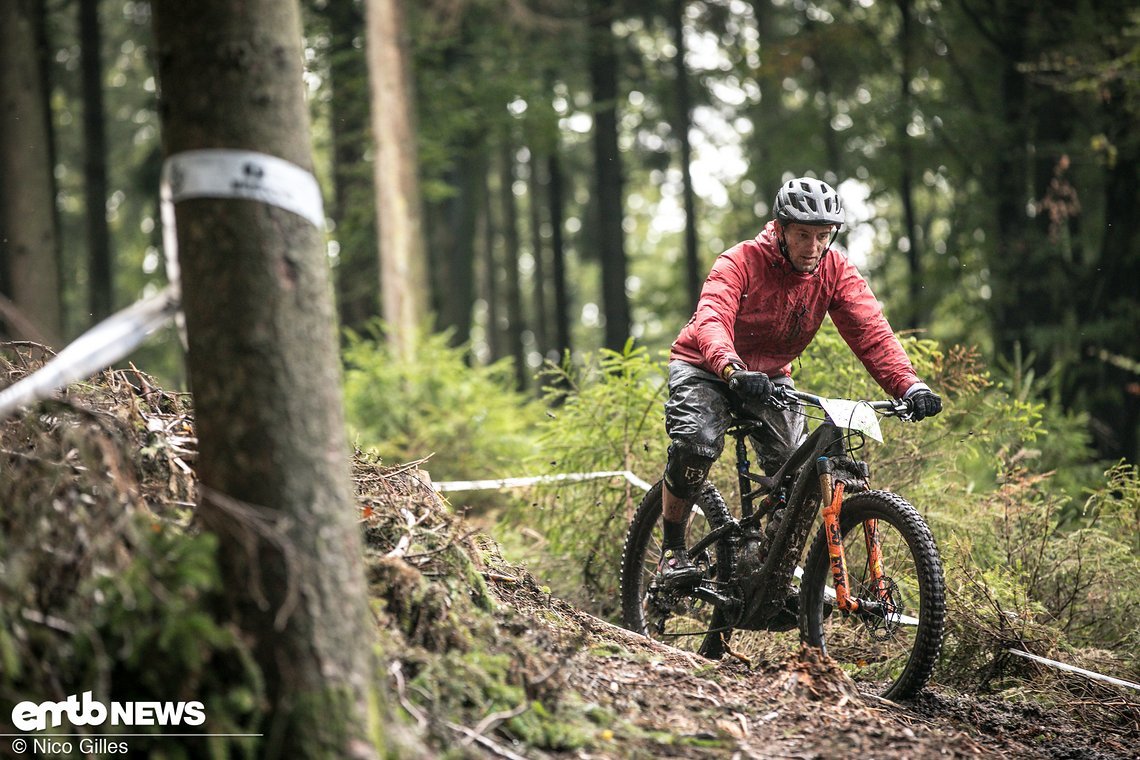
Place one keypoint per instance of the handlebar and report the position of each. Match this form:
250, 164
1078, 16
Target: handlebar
888, 408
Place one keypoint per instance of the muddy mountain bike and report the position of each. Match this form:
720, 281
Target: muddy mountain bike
870, 592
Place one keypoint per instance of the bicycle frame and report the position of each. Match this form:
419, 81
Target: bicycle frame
825, 483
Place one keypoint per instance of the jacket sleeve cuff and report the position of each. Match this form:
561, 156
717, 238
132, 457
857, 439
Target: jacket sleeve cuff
723, 373
915, 388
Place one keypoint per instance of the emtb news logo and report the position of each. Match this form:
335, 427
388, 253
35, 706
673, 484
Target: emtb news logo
85, 711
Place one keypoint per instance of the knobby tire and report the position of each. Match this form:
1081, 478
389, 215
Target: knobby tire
905, 658
643, 550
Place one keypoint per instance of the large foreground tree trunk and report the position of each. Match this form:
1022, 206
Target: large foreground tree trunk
273, 462
28, 239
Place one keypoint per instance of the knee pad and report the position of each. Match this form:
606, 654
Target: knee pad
686, 470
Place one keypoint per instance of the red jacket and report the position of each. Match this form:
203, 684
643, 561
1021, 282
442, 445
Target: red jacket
758, 312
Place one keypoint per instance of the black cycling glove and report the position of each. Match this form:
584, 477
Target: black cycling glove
754, 385
924, 403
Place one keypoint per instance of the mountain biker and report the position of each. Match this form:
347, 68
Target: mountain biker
760, 307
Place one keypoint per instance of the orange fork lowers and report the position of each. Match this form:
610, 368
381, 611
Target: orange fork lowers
875, 559
843, 600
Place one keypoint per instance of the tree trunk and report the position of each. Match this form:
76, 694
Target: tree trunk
682, 121
768, 114
28, 234
403, 272
1011, 249
906, 177
608, 175
538, 250
100, 275
515, 319
354, 200
558, 255
454, 239
490, 271
273, 462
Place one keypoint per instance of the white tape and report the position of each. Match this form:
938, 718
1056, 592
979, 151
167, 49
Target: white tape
571, 477
1075, 669
100, 347
220, 173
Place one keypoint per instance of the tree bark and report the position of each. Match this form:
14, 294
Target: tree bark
403, 272
916, 313
538, 250
609, 208
515, 319
453, 240
558, 254
273, 462
682, 123
100, 275
354, 200
28, 233
490, 271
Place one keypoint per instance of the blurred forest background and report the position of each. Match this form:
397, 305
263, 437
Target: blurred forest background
556, 178
580, 163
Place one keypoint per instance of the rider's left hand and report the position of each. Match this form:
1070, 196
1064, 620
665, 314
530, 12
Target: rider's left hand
754, 385
924, 403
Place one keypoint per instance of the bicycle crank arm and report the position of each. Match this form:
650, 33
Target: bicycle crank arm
716, 599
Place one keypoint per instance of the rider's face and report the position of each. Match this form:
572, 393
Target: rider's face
806, 244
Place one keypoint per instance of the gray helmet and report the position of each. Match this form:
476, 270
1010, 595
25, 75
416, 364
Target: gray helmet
808, 201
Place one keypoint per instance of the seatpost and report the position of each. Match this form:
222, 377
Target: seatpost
743, 471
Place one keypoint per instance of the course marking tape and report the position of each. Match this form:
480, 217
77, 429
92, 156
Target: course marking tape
98, 348
224, 173
213, 173
504, 483
1075, 669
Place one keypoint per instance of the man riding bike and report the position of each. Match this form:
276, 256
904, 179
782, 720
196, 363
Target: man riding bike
760, 307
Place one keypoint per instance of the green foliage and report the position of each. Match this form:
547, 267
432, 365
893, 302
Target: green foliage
470, 420
606, 415
147, 633
159, 617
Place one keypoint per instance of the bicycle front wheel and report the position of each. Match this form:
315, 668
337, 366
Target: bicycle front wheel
676, 618
893, 652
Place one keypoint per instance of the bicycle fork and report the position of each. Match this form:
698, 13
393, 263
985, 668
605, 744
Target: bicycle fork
832, 491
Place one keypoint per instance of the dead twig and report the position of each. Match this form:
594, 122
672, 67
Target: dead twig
495, 719
498, 749
397, 671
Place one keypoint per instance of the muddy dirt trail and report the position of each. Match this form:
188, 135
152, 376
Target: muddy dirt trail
672, 704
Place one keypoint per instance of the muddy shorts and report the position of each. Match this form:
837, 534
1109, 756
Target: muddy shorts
699, 410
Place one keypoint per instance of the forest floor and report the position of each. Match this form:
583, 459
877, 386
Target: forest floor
670, 703
480, 659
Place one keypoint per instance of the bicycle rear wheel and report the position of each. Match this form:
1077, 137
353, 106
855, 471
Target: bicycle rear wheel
676, 618
893, 653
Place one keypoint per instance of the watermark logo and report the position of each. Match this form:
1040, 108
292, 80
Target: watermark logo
83, 710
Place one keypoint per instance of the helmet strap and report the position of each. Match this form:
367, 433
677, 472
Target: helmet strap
782, 241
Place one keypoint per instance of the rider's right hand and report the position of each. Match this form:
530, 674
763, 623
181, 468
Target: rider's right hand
924, 403
754, 385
